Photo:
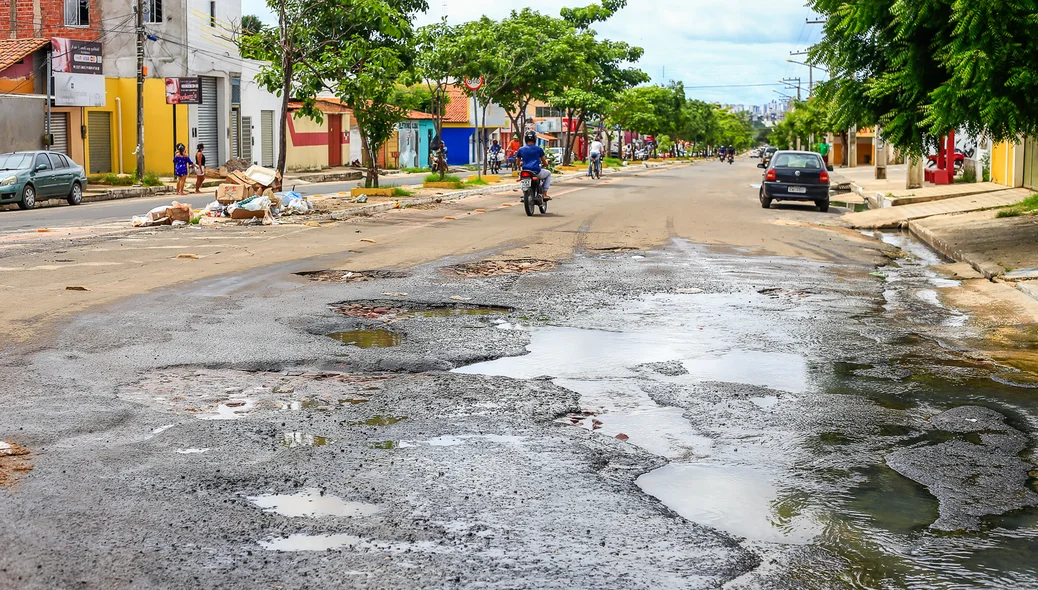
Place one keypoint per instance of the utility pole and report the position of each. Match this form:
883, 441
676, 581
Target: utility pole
790, 82
140, 89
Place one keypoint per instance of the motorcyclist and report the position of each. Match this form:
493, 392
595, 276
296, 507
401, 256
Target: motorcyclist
594, 154
532, 157
513, 147
495, 152
731, 151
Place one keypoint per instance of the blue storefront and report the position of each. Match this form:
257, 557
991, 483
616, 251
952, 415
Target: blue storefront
459, 144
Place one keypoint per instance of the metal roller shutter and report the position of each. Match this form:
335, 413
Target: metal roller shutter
246, 138
59, 128
209, 122
267, 138
99, 132
235, 145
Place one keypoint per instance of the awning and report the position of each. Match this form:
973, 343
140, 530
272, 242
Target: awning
546, 137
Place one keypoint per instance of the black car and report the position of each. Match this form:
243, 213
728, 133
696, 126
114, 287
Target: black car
796, 176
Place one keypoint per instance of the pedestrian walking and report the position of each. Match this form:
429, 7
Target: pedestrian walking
181, 162
199, 168
823, 150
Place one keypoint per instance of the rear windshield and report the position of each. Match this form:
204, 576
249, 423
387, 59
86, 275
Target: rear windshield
802, 161
15, 161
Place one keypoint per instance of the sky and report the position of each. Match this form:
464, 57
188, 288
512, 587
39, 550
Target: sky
699, 42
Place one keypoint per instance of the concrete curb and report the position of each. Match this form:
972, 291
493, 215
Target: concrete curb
111, 194
319, 178
990, 270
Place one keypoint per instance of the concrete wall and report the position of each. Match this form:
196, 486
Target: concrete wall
46, 19
308, 143
22, 122
255, 100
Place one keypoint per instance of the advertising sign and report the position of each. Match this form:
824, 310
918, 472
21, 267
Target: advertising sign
72, 56
79, 90
183, 90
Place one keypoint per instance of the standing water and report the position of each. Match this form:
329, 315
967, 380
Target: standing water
778, 409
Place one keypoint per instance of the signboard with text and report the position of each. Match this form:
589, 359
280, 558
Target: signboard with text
79, 90
72, 56
184, 90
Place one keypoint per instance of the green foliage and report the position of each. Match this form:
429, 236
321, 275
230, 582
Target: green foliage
250, 24
1028, 206
446, 178
415, 170
112, 179
474, 181
664, 144
612, 162
985, 165
402, 192
804, 119
920, 68
151, 179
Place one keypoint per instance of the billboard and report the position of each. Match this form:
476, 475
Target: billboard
72, 56
79, 90
184, 90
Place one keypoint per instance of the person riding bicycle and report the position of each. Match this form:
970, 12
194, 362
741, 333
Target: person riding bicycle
594, 155
532, 157
513, 147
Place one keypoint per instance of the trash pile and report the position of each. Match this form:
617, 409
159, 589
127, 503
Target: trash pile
493, 268
176, 213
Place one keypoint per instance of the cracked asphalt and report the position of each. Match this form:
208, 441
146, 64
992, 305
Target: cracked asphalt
701, 394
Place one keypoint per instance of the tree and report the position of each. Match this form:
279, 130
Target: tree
438, 61
356, 49
250, 24
922, 68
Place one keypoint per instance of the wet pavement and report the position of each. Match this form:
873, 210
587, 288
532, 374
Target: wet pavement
686, 417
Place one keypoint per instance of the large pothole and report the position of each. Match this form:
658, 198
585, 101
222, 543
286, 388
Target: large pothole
393, 311
351, 276
493, 268
14, 462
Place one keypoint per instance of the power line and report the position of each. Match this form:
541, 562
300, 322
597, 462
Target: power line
731, 86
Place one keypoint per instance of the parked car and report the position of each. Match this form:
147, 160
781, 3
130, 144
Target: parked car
765, 157
796, 176
26, 177
558, 154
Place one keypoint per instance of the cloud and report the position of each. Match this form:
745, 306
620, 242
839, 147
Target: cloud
700, 42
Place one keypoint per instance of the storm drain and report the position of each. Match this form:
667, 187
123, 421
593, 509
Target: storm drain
493, 268
351, 276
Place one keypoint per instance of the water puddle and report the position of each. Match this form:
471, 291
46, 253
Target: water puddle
776, 370
737, 500
379, 420
303, 439
300, 542
191, 451
450, 440
368, 338
231, 410
312, 503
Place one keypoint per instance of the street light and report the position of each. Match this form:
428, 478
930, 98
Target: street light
810, 74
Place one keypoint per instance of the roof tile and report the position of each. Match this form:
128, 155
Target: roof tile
13, 51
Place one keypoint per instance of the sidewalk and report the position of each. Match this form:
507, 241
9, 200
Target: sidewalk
891, 192
893, 217
993, 247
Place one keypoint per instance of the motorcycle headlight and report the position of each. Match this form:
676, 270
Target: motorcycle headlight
9, 181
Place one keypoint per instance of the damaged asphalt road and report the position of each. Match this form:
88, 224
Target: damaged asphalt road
682, 417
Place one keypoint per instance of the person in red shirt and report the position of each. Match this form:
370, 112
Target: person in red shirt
513, 147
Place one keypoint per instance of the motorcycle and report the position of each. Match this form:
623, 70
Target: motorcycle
960, 160
533, 194
495, 161
731, 158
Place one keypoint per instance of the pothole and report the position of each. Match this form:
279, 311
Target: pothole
616, 249
303, 439
312, 503
380, 420
351, 276
368, 338
14, 463
493, 268
393, 311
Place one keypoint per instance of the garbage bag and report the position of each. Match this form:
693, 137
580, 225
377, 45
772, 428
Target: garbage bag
255, 204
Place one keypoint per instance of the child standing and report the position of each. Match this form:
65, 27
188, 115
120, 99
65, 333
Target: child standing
181, 162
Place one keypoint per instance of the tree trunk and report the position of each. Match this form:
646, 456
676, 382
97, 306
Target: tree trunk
372, 179
582, 123
286, 89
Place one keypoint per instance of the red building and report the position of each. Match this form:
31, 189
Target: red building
71, 19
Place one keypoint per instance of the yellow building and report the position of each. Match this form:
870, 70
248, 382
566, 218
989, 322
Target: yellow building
111, 130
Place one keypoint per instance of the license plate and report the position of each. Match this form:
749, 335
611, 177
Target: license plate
797, 189
526, 183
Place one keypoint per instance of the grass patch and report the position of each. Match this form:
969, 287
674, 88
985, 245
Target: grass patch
474, 181
401, 192
612, 162
111, 179
446, 178
415, 170
151, 179
1028, 206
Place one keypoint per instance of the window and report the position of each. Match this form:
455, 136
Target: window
77, 13
153, 11
540, 112
212, 14
41, 160
803, 161
235, 89
55, 162
65, 161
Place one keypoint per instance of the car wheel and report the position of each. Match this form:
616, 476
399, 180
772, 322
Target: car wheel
823, 206
28, 198
76, 196
765, 202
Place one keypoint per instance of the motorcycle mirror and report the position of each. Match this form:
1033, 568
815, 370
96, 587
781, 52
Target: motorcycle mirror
761, 165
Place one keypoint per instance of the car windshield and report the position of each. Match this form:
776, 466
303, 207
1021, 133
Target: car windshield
802, 161
16, 161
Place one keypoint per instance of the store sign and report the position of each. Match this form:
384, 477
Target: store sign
79, 90
72, 56
407, 125
553, 125
184, 90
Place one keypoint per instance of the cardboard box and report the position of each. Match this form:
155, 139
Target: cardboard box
246, 214
230, 193
177, 214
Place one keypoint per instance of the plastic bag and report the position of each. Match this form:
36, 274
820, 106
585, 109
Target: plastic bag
255, 204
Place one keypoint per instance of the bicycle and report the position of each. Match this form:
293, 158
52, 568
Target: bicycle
595, 167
